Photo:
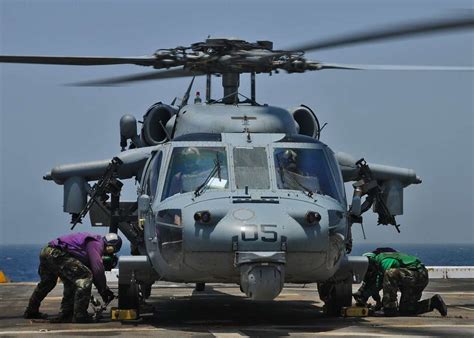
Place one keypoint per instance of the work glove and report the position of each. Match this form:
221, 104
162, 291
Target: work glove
360, 300
107, 296
378, 301
378, 306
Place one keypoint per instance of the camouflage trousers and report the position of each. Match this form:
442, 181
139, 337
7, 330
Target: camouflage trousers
76, 277
411, 284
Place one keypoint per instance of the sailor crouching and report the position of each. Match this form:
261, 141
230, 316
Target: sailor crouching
393, 272
78, 260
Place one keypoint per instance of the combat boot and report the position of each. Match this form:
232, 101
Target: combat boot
437, 303
83, 318
390, 312
34, 314
62, 318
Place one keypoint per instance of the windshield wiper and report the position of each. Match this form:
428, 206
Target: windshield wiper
216, 169
305, 189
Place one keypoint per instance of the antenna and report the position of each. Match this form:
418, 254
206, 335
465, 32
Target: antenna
183, 103
186, 95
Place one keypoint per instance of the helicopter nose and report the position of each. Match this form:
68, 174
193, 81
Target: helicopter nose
257, 228
260, 244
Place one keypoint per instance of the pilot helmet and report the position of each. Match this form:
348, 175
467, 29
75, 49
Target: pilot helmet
290, 156
190, 152
189, 158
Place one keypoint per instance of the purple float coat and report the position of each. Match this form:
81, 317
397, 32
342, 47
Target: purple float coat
89, 249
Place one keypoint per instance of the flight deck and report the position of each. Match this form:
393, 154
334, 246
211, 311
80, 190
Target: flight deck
177, 310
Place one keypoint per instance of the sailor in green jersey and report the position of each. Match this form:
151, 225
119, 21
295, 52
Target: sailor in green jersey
396, 271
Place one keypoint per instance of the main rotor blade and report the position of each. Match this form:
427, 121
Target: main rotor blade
157, 75
393, 67
78, 60
391, 32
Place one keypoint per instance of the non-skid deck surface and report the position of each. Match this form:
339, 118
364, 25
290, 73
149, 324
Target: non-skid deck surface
223, 311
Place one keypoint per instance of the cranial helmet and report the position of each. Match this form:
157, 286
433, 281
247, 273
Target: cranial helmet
369, 255
113, 240
373, 266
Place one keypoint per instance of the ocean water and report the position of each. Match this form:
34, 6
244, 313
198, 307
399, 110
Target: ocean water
20, 262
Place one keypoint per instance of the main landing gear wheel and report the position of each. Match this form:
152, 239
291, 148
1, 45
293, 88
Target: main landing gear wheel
145, 289
335, 296
129, 297
200, 287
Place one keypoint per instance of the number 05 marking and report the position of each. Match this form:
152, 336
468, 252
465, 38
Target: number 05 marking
250, 232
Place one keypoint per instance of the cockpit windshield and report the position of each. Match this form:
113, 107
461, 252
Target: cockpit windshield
193, 168
304, 169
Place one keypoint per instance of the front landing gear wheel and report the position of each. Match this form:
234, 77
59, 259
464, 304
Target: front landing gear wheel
129, 297
200, 287
335, 296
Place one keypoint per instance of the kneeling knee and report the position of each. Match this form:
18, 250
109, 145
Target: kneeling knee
84, 283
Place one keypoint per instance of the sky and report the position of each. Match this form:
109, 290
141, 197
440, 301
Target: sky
418, 120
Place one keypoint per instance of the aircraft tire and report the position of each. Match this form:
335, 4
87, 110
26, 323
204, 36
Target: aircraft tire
335, 296
129, 296
145, 289
200, 287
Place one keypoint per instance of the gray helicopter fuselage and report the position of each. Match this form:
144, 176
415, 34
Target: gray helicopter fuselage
252, 220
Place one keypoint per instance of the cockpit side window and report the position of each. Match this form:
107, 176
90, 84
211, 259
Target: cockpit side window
304, 169
191, 167
154, 175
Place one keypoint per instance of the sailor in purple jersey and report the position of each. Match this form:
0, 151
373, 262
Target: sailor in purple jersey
78, 260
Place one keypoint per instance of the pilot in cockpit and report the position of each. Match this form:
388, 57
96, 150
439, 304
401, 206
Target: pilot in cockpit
289, 161
295, 173
186, 166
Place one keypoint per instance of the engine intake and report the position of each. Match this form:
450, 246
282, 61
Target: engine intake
306, 121
154, 121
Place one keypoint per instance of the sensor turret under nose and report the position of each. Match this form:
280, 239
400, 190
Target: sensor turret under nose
262, 274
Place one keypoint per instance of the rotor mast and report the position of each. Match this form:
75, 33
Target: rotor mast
231, 82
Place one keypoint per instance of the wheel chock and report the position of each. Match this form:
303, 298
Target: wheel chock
123, 314
355, 311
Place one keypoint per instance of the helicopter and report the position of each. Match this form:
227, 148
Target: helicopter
231, 190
